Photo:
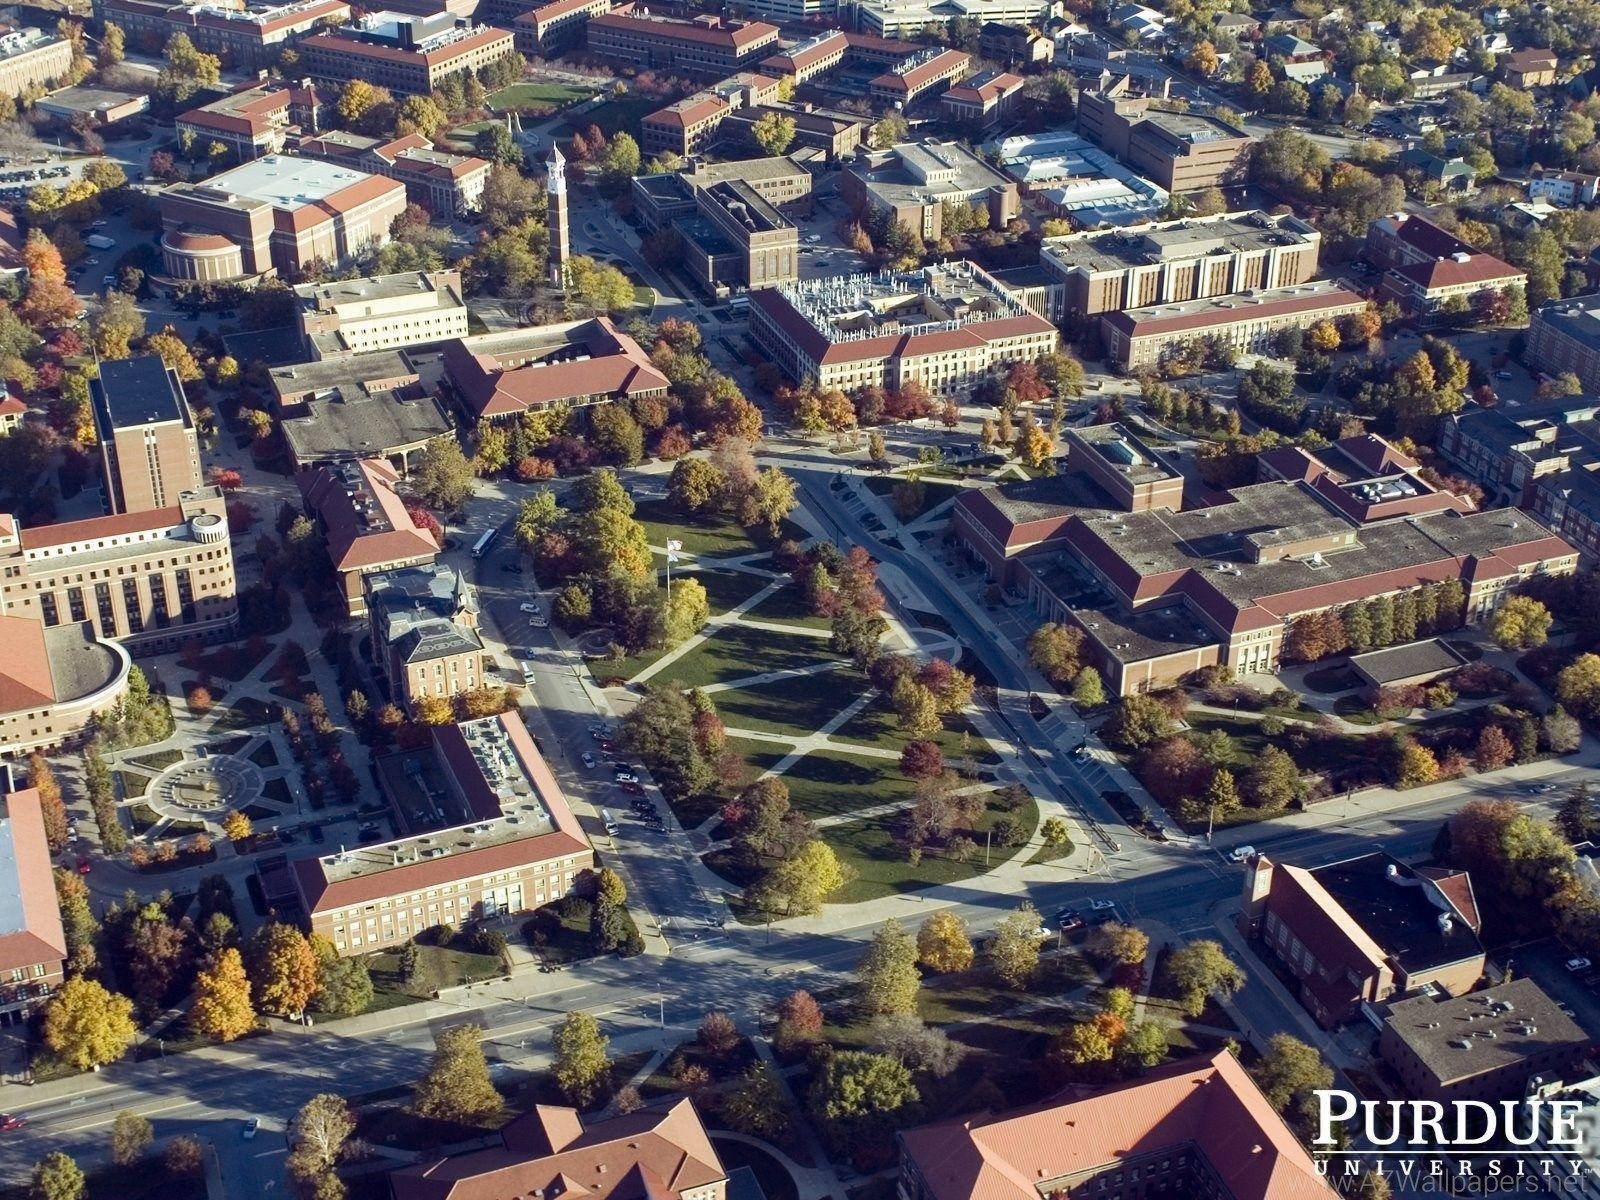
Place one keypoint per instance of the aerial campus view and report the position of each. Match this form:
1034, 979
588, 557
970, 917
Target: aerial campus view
799, 600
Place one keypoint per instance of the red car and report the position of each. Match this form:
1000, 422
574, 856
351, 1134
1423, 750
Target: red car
8, 1121
633, 789
83, 866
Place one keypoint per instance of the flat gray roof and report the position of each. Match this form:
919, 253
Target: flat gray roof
1485, 1031
1428, 657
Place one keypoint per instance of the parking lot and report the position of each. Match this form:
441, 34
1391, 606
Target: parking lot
1577, 990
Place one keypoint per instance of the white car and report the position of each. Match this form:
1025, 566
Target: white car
250, 1128
530, 608
1577, 964
588, 760
1101, 905
538, 620
1241, 854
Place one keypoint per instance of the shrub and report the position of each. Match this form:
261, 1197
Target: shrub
486, 941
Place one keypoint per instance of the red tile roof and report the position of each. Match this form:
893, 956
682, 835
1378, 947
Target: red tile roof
90, 528
40, 938
1456, 272
937, 67
736, 38
995, 88
25, 679
353, 542
1136, 327
1209, 1103
566, 839
681, 114
616, 367
789, 63
653, 1154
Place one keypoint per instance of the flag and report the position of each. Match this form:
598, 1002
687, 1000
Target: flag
673, 546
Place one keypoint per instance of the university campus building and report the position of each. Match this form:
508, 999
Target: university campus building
706, 46
31, 58
33, 945
255, 121
486, 832
910, 184
365, 522
149, 453
1180, 151
576, 363
551, 28
442, 182
1358, 932
1426, 268
1166, 262
1564, 335
423, 621
941, 326
251, 38
277, 214
1196, 1127
375, 404
1159, 591
409, 55
380, 312
927, 72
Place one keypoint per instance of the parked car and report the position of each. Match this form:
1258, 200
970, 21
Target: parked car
538, 620
626, 777
251, 1127
588, 760
1069, 918
1101, 905
1578, 964
529, 607
83, 866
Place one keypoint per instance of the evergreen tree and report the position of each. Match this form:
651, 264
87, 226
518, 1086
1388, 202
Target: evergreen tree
1382, 609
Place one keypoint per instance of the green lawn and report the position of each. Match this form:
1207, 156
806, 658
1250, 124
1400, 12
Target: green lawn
132, 784
737, 651
759, 758
876, 725
523, 95
699, 535
156, 760
726, 589
624, 668
934, 492
876, 859
620, 112
1320, 754
437, 967
799, 705
828, 783
787, 606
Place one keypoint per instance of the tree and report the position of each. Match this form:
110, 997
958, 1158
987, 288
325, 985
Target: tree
1054, 649
1201, 970
799, 885
921, 760
718, 1036
112, 42
56, 1177
317, 1137
1521, 623
236, 826
581, 1066
131, 1136
799, 1022
1144, 1045
1087, 689
358, 99
42, 780
420, 114
508, 199
222, 1008
443, 476
943, 944
1014, 950
887, 976
862, 1091
1203, 59
757, 1105
616, 436
87, 1026
1288, 1069
916, 708
346, 987
889, 130
42, 259
695, 486
1494, 749
598, 286
1221, 796
768, 501
284, 970
1115, 942
1273, 780
773, 132
1137, 720
1578, 685
456, 1086
908, 1041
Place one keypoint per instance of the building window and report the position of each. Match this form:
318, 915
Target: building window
130, 605
75, 602
47, 606
158, 601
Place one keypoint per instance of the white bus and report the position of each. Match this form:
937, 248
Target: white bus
481, 546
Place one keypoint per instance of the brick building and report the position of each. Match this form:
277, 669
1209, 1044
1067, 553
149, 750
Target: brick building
706, 46
911, 182
1361, 931
1180, 151
31, 58
276, 214
487, 832
1165, 591
661, 199
148, 448
660, 1152
1196, 1127
688, 126
442, 182
33, 945
983, 100
1564, 335
942, 327
365, 523
249, 38
928, 72
816, 55
1485, 1046
408, 55
734, 238
423, 621
151, 579
1247, 321
577, 363
550, 29
1165, 262
254, 121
